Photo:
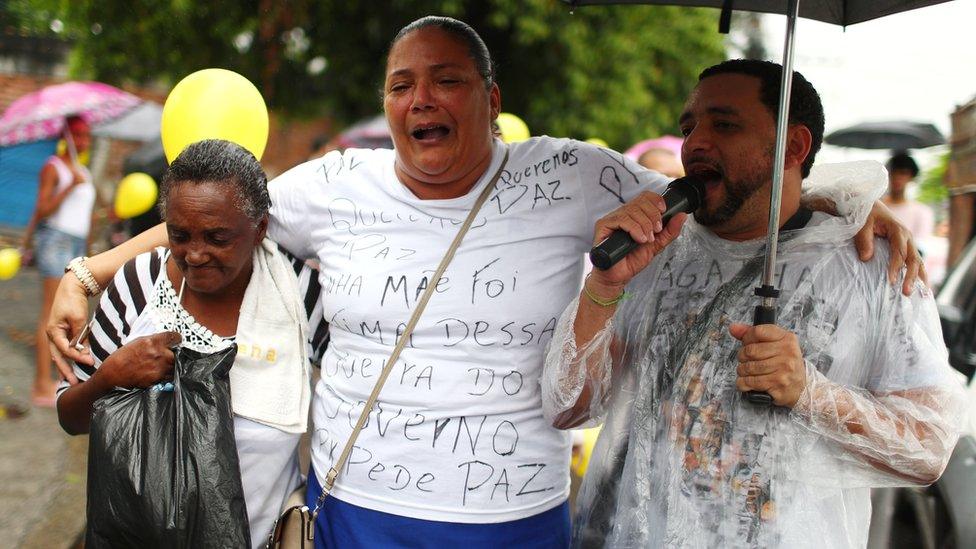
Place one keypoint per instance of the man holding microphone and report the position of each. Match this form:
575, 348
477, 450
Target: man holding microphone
862, 392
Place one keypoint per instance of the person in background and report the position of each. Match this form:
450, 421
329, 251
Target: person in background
918, 217
663, 161
63, 221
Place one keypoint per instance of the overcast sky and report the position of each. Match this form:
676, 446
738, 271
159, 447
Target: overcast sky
917, 65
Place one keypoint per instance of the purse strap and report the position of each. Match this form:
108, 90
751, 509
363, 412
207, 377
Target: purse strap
404, 338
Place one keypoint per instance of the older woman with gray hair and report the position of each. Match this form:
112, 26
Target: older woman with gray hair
219, 283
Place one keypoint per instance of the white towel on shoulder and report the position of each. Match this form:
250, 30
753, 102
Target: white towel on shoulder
270, 380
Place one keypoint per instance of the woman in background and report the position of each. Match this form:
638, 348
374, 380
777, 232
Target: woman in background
63, 218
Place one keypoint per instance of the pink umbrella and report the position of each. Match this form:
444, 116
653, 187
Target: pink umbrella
40, 115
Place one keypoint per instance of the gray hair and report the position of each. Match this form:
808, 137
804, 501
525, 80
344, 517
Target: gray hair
219, 161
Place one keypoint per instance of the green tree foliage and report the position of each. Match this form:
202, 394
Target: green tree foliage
932, 189
25, 17
619, 73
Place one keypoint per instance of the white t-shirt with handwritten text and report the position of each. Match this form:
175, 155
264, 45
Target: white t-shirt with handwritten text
458, 433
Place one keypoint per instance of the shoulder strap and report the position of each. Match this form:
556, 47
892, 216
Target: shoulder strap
418, 310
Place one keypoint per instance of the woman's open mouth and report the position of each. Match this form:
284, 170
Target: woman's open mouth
430, 133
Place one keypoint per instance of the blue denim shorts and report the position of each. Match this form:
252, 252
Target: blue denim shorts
53, 249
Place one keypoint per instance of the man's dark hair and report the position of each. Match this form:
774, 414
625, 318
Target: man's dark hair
902, 161
219, 161
477, 49
805, 105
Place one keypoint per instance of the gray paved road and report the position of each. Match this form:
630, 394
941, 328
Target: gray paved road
42, 470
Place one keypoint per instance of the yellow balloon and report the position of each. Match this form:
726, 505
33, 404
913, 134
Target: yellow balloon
84, 157
598, 142
581, 460
9, 263
512, 127
135, 195
214, 104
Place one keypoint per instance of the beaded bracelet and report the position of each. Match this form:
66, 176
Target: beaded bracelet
602, 302
80, 270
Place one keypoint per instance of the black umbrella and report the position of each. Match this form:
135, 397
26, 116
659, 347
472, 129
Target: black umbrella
895, 134
840, 12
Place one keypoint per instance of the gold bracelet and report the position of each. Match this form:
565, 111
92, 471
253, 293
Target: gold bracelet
602, 302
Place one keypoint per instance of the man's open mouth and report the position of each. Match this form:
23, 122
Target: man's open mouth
710, 175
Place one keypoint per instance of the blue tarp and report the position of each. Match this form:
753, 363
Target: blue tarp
19, 167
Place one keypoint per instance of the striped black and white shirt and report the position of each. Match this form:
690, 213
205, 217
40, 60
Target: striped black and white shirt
142, 281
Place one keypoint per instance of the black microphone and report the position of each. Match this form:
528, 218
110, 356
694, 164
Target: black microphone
685, 194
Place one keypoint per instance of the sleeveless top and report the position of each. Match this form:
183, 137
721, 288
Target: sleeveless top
73, 216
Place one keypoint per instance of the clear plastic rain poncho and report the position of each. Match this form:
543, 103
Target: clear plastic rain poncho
684, 461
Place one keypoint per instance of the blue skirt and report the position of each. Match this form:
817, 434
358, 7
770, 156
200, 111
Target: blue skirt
342, 525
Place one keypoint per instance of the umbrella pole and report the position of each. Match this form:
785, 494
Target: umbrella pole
765, 313
70, 142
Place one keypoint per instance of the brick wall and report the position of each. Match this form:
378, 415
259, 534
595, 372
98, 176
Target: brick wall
290, 142
961, 179
13, 86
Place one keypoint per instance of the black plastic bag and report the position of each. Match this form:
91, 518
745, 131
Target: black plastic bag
162, 465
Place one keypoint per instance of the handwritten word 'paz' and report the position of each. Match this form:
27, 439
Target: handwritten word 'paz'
523, 474
375, 245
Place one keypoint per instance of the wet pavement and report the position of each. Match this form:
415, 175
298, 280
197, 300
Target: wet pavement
42, 469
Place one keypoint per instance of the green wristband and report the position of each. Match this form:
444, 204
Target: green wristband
602, 302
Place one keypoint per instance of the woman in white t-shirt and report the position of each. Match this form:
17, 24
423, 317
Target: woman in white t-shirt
206, 285
456, 452
63, 218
